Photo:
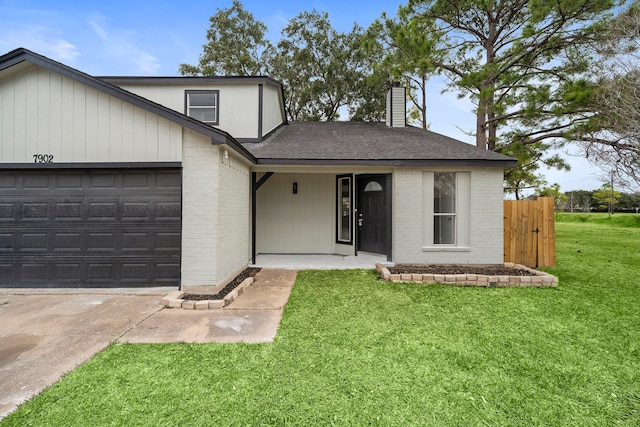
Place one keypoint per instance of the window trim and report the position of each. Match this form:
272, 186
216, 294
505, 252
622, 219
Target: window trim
462, 214
454, 213
216, 107
339, 217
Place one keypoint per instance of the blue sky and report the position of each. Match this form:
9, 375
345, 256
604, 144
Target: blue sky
141, 37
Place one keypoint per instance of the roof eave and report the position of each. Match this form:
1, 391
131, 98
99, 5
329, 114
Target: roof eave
509, 163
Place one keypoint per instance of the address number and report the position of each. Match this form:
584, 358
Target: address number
43, 158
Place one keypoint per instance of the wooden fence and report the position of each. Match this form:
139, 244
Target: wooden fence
529, 232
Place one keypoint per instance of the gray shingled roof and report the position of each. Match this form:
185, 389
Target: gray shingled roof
304, 143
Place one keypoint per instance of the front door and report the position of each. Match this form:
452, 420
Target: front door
372, 214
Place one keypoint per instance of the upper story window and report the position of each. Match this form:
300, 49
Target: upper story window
203, 105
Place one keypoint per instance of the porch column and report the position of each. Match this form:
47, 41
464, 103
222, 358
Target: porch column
255, 185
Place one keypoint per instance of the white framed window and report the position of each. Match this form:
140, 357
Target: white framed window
446, 210
203, 105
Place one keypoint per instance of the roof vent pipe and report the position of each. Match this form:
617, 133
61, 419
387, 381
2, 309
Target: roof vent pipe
396, 106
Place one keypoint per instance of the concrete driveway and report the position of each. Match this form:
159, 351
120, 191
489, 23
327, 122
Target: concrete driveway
44, 336
47, 333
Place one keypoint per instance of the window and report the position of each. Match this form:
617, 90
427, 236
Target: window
203, 105
344, 217
444, 208
446, 211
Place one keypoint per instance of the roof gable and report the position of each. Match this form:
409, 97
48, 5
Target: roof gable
17, 60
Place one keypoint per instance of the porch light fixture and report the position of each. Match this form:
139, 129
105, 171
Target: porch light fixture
295, 188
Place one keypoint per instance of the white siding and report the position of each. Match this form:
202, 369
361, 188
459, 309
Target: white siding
272, 111
238, 109
296, 223
45, 113
411, 190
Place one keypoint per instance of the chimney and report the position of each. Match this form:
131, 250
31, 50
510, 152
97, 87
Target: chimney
396, 106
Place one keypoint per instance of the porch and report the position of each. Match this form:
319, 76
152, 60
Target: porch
319, 262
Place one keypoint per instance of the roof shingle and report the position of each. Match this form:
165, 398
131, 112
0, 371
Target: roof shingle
367, 143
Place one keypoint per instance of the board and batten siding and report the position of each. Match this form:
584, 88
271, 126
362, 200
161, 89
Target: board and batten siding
302, 223
238, 103
45, 113
483, 225
272, 114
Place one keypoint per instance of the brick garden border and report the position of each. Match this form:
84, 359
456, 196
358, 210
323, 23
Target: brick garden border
175, 299
537, 278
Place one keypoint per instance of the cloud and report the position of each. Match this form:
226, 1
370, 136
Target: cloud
121, 47
40, 39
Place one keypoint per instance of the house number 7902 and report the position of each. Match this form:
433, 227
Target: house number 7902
43, 158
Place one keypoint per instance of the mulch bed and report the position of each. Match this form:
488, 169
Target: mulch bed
488, 270
249, 272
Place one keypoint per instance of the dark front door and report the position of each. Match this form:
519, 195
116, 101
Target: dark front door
372, 214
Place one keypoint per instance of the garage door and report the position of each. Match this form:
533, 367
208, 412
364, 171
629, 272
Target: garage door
90, 228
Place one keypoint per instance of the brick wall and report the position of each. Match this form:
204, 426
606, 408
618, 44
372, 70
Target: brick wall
484, 220
200, 178
233, 222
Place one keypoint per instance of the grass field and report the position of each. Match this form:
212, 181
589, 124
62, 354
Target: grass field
354, 350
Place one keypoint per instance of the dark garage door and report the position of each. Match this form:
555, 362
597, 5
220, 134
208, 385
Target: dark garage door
90, 228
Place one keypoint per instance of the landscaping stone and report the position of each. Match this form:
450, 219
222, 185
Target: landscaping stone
535, 278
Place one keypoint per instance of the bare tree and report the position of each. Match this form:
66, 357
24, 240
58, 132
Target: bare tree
573, 202
614, 142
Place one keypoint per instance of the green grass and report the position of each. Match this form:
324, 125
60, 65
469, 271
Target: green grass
353, 350
631, 220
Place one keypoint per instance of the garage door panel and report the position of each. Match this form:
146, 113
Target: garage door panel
34, 272
90, 228
68, 210
7, 211
35, 211
69, 181
67, 242
33, 242
168, 211
69, 272
102, 181
102, 210
135, 180
166, 181
168, 242
8, 182
36, 181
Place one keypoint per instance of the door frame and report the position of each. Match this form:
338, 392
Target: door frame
387, 206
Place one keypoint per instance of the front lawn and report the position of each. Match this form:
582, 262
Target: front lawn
354, 350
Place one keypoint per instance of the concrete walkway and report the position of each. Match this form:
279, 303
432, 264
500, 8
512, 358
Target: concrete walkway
46, 333
252, 317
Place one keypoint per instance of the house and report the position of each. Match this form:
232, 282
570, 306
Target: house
168, 181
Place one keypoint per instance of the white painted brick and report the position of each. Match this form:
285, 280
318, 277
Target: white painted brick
199, 209
485, 226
